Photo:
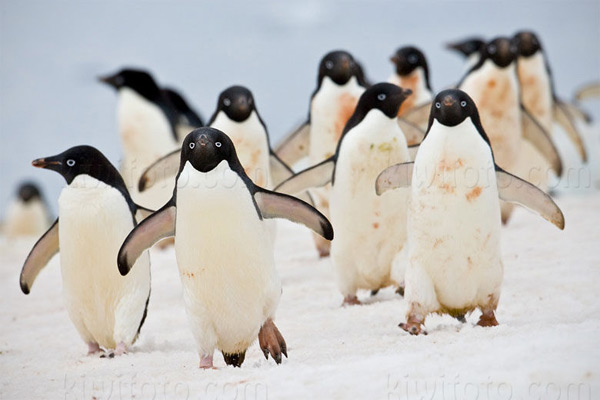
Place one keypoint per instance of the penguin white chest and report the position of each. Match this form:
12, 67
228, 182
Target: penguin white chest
370, 229
536, 92
454, 219
225, 258
250, 140
330, 109
105, 307
26, 219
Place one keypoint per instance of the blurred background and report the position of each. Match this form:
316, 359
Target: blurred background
52, 51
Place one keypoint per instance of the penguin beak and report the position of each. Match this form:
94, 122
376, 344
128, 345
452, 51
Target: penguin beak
242, 105
46, 163
110, 80
395, 59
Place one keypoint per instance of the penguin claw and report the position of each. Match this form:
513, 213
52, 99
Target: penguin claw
412, 328
271, 341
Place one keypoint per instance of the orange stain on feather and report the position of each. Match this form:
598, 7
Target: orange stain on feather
473, 194
347, 104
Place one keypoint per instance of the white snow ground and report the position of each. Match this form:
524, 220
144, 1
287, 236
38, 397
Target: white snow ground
546, 347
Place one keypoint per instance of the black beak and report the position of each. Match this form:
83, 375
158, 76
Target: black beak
110, 80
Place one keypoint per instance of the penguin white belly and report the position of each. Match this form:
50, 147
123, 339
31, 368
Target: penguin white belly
495, 91
369, 229
453, 222
250, 140
26, 219
145, 137
225, 259
536, 93
105, 307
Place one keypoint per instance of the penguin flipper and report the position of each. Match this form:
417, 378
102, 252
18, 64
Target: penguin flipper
575, 111
157, 226
316, 176
43, 250
396, 176
588, 91
516, 190
565, 120
539, 138
418, 115
294, 146
413, 133
165, 167
279, 205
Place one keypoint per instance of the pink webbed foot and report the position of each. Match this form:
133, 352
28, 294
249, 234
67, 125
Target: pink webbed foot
206, 362
487, 319
413, 325
94, 348
271, 341
351, 300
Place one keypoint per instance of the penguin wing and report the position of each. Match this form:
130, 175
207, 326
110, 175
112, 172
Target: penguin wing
280, 171
517, 190
588, 91
316, 176
43, 250
294, 146
412, 151
565, 120
413, 133
396, 176
279, 205
157, 226
534, 133
575, 111
418, 115
163, 168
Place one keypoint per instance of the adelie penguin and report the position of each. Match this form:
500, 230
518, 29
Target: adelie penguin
186, 119
332, 103
454, 263
147, 124
470, 48
513, 132
537, 90
95, 215
237, 115
27, 213
370, 230
222, 242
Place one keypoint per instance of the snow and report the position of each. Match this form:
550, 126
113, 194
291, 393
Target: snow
547, 344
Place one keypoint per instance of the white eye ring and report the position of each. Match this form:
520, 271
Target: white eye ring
492, 49
70, 162
413, 59
218, 144
329, 64
226, 101
463, 103
192, 145
438, 105
381, 96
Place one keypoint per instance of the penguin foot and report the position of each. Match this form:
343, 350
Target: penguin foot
271, 341
94, 348
351, 300
121, 349
413, 326
235, 359
400, 290
206, 362
487, 319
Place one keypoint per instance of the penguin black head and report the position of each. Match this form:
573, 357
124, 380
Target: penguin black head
138, 80
206, 147
452, 106
407, 59
527, 43
236, 102
28, 191
501, 51
339, 66
467, 46
385, 97
80, 160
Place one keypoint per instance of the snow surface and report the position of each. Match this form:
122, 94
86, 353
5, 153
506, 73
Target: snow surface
546, 347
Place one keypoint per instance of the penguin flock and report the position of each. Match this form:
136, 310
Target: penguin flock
406, 187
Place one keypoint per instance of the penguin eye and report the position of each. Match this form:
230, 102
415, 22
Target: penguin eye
381, 96
218, 144
492, 49
192, 145
329, 64
413, 59
227, 102
463, 103
70, 162
438, 105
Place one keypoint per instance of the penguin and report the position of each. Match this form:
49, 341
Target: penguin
237, 115
470, 48
332, 103
589, 91
538, 95
411, 72
186, 118
454, 263
147, 124
514, 134
370, 230
95, 215
224, 253
28, 213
